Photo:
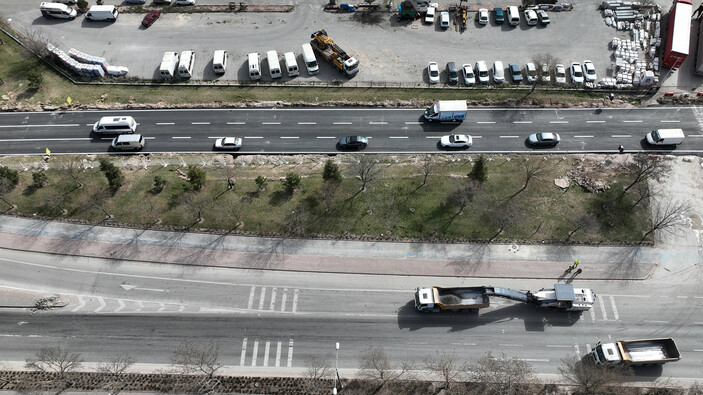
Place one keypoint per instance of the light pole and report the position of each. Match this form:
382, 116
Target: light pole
336, 371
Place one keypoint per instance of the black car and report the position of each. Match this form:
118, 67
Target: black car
353, 142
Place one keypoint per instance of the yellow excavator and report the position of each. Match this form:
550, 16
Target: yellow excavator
325, 46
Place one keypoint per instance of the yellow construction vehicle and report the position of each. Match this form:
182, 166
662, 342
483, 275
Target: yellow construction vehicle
332, 53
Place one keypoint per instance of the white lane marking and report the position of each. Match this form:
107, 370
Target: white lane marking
102, 305
253, 137
433, 137
165, 123
669, 121
482, 122
620, 135
149, 138
341, 123
681, 297
270, 123
557, 346
290, 137
122, 306
236, 123
397, 137
272, 305
200, 123
558, 121
533, 359
588, 347
632, 121
583, 137
251, 297
64, 139
162, 308
697, 350
593, 314
261, 299
295, 300
182, 137
615, 309
283, 299
278, 354
378, 123
602, 309
307, 123
509, 345
244, 352
326, 137
290, 353
81, 304
254, 353
695, 135
522, 121
578, 349
463, 344
509, 137
656, 322
266, 354
45, 126
413, 123
595, 121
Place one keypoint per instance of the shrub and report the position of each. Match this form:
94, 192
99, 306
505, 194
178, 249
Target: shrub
196, 177
292, 182
479, 172
35, 78
159, 184
11, 175
82, 4
114, 175
261, 182
331, 172
38, 180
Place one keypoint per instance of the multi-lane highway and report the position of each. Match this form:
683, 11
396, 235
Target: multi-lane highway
316, 130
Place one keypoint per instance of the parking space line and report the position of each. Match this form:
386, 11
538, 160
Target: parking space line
165, 123
176, 137
254, 353
278, 354
290, 353
621, 135
583, 137
595, 121
615, 309
244, 352
632, 121
266, 354
251, 297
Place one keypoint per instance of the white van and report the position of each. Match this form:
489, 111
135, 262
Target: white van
128, 142
168, 64
185, 65
291, 64
254, 66
665, 137
274, 65
513, 16
57, 10
102, 13
115, 124
219, 61
309, 59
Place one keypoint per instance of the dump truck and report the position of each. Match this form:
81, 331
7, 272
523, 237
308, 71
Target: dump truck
636, 352
562, 297
333, 53
447, 110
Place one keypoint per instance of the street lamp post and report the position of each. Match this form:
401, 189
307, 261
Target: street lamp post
336, 371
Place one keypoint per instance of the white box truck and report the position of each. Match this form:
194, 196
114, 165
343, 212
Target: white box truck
168, 64
99, 13
309, 59
219, 61
291, 64
254, 66
185, 64
665, 137
57, 10
274, 64
447, 110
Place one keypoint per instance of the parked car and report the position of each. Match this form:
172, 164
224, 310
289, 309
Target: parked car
455, 141
560, 74
498, 15
482, 16
228, 143
353, 142
429, 15
444, 19
433, 72
531, 17
452, 73
498, 72
135, 1
545, 74
548, 139
576, 73
184, 2
515, 72
468, 72
589, 71
150, 18
531, 72
543, 17
482, 71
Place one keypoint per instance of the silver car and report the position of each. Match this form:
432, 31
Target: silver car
544, 139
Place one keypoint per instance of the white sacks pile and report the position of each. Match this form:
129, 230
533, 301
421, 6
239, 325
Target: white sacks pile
86, 65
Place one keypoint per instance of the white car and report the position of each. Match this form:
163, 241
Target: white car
444, 19
482, 71
531, 72
429, 15
184, 2
531, 17
576, 73
456, 141
545, 74
560, 74
228, 143
498, 72
468, 72
589, 71
483, 16
433, 72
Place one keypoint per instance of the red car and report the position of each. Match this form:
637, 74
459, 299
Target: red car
150, 18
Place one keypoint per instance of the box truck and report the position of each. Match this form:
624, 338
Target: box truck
97, 13
447, 110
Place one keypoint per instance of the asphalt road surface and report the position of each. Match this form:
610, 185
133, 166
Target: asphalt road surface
316, 130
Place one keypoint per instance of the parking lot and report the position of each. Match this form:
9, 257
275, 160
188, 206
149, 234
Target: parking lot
388, 50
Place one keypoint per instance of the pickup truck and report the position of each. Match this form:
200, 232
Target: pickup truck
636, 352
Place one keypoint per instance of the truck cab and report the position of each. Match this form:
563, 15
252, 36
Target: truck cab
424, 300
606, 354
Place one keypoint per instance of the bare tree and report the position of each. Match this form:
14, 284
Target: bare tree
55, 359
642, 192
98, 200
71, 168
444, 364
35, 41
504, 217
328, 193
533, 169
501, 375
591, 378
366, 168
428, 166
668, 217
545, 59
6, 186
317, 369
584, 222
197, 203
117, 364
190, 357
374, 365
647, 167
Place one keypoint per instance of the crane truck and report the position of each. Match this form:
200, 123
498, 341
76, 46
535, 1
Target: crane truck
331, 52
562, 297
636, 352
